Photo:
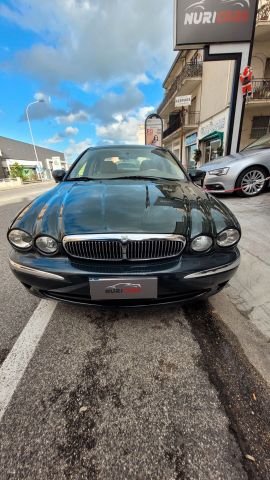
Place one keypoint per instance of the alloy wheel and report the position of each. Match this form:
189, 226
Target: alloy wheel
252, 182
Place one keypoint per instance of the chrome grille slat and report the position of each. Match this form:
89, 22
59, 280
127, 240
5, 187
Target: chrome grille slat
95, 250
109, 247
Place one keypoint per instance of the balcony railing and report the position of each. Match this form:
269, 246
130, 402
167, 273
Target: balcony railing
190, 119
263, 14
259, 132
173, 126
261, 89
190, 70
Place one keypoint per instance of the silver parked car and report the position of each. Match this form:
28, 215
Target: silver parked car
246, 171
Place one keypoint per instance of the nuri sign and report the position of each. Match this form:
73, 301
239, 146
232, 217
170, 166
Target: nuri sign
198, 23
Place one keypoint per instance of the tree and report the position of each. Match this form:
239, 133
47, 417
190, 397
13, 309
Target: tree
17, 171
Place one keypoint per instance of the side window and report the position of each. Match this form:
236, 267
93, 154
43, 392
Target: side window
82, 166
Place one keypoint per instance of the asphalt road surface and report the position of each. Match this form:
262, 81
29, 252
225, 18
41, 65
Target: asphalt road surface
153, 394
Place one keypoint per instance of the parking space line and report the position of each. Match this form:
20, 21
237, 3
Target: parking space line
15, 364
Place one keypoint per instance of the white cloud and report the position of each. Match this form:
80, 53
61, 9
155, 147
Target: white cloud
94, 41
80, 116
141, 78
85, 87
55, 139
123, 129
74, 149
42, 96
69, 131
42, 110
143, 112
59, 137
112, 104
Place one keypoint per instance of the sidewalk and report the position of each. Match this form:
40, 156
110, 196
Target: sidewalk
14, 186
244, 306
249, 289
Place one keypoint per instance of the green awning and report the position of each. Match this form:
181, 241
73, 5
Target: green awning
213, 136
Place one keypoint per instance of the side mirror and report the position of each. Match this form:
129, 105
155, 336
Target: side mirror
58, 175
197, 175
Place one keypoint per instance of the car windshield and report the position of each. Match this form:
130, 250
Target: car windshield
263, 142
126, 162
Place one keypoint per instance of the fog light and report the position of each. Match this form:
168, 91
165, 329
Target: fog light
228, 238
47, 245
20, 239
201, 243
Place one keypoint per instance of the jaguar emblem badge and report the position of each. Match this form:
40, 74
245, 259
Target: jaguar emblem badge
124, 238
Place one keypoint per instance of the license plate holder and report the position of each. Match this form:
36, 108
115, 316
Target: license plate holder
127, 288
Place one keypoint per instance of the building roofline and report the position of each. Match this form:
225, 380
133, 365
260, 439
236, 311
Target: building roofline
172, 67
13, 140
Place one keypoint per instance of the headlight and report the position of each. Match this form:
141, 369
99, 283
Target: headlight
47, 245
20, 239
219, 171
228, 238
202, 243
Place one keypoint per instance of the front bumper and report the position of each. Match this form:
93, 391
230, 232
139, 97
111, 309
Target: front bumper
219, 183
179, 280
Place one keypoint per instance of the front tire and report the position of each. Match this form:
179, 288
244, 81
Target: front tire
251, 181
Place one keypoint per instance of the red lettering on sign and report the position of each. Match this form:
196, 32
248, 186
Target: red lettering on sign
131, 290
232, 16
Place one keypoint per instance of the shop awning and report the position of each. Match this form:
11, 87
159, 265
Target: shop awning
213, 136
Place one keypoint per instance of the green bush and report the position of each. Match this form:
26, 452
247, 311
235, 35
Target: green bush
17, 170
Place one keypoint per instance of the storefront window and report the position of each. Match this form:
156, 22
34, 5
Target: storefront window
190, 156
212, 146
207, 156
211, 150
191, 146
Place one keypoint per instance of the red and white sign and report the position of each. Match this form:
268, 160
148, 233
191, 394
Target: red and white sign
153, 130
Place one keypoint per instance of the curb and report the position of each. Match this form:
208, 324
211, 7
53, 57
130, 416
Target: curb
254, 344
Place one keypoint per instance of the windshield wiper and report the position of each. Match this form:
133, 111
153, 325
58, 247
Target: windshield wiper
79, 179
128, 177
140, 177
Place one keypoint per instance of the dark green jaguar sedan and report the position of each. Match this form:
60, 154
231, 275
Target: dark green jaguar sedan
125, 226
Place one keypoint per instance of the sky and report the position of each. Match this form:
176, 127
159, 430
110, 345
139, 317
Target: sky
98, 65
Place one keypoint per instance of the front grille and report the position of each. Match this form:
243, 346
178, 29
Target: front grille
124, 247
98, 250
152, 249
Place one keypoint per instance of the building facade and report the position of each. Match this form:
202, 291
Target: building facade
199, 131
257, 112
181, 126
14, 151
141, 134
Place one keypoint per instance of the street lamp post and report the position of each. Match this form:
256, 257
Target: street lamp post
31, 133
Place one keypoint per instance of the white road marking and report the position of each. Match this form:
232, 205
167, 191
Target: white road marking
15, 364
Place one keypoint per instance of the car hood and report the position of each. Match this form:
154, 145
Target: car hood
229, 159
125, 206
